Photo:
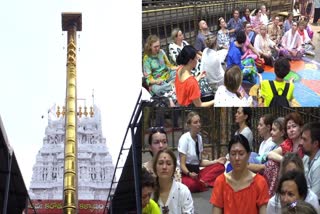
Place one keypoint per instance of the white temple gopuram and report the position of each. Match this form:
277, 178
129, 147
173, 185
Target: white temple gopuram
95, 168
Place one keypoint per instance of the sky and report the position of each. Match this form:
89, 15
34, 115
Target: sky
33, 68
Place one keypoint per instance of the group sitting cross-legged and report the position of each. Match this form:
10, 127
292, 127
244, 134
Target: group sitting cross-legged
194, 71
285, 171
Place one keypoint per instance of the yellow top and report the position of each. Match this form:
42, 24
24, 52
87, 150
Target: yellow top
266, 91
151, 208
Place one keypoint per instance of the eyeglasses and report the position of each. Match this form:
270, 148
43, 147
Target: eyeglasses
156, 129
165, 210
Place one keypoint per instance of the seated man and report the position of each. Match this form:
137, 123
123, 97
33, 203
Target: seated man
291, 44
281, 69
311, 160
203, 32
274, 30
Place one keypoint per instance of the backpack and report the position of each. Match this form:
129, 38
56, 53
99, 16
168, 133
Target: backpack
279, 100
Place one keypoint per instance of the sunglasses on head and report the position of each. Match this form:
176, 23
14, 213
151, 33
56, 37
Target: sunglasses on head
156, 129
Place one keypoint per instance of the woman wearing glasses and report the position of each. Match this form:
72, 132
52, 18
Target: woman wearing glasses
172, 197
190, 156
240, 190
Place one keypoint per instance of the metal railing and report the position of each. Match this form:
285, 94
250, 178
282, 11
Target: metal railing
135, 148
161, 17
217, 125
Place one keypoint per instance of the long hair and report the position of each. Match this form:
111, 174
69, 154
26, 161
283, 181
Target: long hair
154, 130
150, 40
155, 161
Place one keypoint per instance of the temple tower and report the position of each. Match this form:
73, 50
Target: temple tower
95, 168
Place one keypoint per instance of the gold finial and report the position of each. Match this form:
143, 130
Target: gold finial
91, 111
80, 111
63, 111
85, 111
58, 111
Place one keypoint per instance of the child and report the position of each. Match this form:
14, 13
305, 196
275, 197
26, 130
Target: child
149, 206
281, 69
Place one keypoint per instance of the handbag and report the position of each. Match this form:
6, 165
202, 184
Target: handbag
193, 168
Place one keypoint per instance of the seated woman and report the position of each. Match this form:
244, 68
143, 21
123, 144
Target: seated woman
239, 189
296, 11
187, 87
229, 95
223, 35
307, 45
176, 45
256, 23
291, 44
293, 124
246, 15
292, 187
287, 25
211, 63
158, 71
264, 131
190, 155
174, 50
171, 196
158, 140
248, 50
266, 47
147, 188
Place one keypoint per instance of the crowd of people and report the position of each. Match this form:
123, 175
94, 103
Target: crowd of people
199, 75
282, 176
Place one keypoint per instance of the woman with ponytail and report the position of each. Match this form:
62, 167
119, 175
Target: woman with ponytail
187, 87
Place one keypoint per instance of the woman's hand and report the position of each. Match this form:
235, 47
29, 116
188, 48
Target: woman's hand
222, 160
193, 175
159, 81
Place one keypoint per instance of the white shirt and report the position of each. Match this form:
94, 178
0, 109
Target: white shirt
266, 146
225, 98
179, 200
312, 173
211, 63
274, 207
248, 134
264, 19
187, 146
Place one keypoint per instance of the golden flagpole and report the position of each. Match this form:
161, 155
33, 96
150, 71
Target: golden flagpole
71, 22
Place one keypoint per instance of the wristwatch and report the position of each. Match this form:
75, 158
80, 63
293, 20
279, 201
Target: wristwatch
188, 174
